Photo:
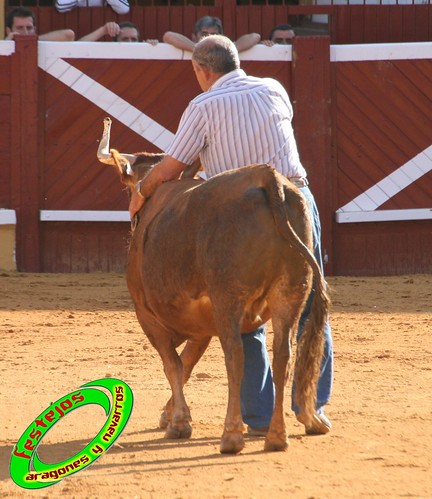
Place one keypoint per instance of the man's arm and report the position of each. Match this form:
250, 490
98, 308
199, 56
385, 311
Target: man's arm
177, 40
247, 41
111, 29
61, 35
168, 169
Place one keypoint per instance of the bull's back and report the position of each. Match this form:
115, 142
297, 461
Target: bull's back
217, 241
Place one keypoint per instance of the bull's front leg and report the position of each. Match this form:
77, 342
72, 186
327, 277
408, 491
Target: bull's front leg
179, 425
232, 440
190, 355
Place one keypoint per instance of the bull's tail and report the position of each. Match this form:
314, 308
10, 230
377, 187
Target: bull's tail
310, 349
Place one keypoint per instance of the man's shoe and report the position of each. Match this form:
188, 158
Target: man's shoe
257, 432
320, 424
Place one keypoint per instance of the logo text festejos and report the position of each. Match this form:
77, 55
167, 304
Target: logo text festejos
29, 472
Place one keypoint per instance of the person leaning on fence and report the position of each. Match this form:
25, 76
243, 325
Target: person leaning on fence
118, 6
22, 21
205, 26
281, 34
121, 32
213, 129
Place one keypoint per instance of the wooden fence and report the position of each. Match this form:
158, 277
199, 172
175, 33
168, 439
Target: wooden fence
363, 120
343, 23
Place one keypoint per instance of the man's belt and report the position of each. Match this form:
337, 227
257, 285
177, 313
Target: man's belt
299, 181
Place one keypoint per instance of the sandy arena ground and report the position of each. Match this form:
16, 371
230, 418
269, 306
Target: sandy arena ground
58, 332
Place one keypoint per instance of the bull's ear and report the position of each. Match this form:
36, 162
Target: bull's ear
121, 163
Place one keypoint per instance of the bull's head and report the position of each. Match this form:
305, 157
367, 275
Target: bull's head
134, 167
131, 167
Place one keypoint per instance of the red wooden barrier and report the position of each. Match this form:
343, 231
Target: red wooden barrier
5, 130
346, 23
25, 137
312, 106
360, 123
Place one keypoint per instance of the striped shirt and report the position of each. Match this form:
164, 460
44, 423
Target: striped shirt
118, 6
241, 120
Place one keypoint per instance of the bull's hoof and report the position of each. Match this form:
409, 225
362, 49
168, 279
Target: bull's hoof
275, 444
180, 431
163, 420
231, 443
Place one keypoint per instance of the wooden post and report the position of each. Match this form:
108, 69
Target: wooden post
24, 153
2, 19
311, 95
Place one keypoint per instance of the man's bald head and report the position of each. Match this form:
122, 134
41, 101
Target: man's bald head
216, 53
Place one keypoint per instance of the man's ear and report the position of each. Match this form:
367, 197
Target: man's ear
208, 75
8, 31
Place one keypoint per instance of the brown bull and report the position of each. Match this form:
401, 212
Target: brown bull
219, 258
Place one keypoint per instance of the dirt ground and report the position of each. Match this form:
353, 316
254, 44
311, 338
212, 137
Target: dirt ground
58, 332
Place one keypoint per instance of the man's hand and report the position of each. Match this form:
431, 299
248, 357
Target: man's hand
168, 169
111, 29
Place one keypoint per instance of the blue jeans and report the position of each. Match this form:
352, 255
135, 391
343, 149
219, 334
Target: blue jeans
257, 389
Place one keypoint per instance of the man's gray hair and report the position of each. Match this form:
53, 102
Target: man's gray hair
208, 22
217, 53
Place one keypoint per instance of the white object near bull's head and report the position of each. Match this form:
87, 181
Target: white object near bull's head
133, 167
105, 154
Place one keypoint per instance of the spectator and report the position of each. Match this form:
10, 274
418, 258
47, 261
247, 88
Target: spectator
22, 21
282, 34
205, 26
121, 32
118, 6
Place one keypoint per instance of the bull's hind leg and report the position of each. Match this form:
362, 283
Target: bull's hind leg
277, 438
285, 320
190, 355
232, 440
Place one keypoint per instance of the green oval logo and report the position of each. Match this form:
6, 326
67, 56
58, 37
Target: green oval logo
29, 472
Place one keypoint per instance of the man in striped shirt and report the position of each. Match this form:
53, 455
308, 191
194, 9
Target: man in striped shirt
241, 120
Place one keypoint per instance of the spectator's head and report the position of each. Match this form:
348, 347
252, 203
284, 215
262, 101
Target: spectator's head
20, 20
282, 34
213, 56
205, 26
128, 33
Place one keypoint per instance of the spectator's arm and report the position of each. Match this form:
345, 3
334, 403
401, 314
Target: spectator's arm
177, 40
247, 41
111, 29
61, 35
119, 6
65, 5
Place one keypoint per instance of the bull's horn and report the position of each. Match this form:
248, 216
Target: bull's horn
104, 155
